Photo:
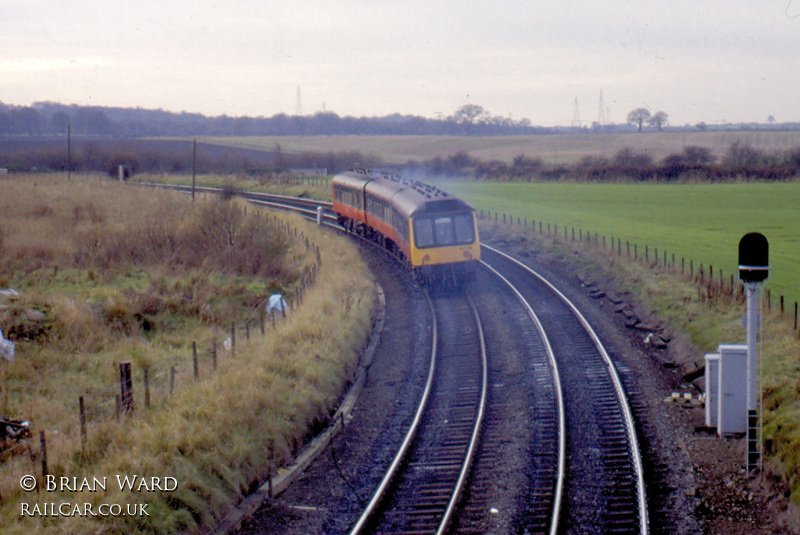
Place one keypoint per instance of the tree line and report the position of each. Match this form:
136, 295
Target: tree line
53, 119
43, 119
693, 164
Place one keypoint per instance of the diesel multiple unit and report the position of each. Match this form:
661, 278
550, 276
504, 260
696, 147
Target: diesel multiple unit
428, 228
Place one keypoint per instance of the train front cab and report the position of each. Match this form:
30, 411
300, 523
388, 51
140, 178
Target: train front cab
444, 244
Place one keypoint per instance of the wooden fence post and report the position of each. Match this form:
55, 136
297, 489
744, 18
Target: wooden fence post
147, 387
82, 410
195, 370
126, 386
171, 379
43, 444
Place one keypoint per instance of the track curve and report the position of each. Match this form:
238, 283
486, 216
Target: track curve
604, 490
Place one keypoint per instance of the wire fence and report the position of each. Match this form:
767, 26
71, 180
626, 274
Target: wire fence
711, 286
140, 389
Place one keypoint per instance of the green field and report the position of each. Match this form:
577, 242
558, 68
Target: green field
703, 223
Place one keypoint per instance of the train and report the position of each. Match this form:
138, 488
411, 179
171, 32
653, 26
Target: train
434, 233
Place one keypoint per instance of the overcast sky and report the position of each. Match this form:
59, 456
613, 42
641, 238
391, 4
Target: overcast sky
697, 60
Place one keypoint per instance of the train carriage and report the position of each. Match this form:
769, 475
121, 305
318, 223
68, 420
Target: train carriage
431, 229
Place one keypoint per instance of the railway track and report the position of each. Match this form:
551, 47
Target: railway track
604, 489
306, 207
421, 489
584, 472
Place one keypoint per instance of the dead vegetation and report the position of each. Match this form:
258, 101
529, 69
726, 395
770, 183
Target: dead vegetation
105, 273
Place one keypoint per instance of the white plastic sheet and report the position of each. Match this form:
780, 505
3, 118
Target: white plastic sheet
276, 303
6, 349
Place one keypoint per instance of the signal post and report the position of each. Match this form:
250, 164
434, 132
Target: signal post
753, 270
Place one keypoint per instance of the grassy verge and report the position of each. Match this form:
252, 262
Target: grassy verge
708, 317
105, 274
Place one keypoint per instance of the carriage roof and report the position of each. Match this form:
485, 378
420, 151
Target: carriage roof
411, 198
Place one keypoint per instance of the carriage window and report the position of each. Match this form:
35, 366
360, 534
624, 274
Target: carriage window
458, 229
464, 229
423, 232
444, 230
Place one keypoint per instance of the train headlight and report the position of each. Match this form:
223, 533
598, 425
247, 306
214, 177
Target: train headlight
426, 258
467, 255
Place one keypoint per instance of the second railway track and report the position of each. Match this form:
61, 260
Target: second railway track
604, 484
432, 467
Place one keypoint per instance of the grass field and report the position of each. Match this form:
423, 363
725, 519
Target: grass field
553, 149
703, 223
106, 273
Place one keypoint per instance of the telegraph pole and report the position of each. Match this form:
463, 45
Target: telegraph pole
194, 165
69, 151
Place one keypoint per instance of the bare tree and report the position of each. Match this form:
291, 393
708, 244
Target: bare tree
638, 117
469, 114
659, 119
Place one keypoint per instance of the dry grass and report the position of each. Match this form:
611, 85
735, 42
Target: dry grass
707, 317
554, 149
100, 300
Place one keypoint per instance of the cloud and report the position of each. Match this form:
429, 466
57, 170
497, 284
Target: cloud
367, 57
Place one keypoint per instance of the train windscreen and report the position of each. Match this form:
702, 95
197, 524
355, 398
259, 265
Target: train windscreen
444, 230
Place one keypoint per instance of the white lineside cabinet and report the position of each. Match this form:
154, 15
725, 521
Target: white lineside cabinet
732, 388
712, 389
